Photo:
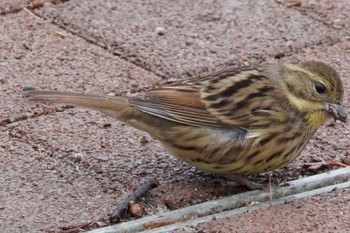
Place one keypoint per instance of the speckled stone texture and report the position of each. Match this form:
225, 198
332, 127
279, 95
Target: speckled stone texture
330, 13
325, 213
63, 168
198, 36
14, 6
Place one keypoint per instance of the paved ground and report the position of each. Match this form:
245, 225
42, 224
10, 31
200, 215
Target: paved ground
61, 168
297, 216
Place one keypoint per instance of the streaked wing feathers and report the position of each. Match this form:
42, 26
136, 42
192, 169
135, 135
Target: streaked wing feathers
179, 103
230, 98
243, 98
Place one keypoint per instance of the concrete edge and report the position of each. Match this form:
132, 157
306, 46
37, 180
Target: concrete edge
233, 205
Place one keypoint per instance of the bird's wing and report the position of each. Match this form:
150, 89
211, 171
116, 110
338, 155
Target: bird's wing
227, 99
178, 103
247, 98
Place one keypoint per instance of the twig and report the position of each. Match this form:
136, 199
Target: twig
79, 228
31, 13
134, 196
318, 165
105, 41
61, 34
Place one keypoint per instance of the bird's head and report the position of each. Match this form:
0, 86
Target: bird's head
315, 90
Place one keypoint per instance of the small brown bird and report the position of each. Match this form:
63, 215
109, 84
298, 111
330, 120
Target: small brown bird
235, 121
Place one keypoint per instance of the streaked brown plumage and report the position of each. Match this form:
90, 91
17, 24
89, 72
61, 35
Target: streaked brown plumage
234, 121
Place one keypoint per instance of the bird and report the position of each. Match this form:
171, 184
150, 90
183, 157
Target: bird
232, 122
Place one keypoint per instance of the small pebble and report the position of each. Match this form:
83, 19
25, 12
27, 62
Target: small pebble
47, 4
144, 141
188, 42
117, 53
160, 31
135, 209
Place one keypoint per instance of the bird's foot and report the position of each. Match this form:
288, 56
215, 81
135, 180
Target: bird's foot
237, 180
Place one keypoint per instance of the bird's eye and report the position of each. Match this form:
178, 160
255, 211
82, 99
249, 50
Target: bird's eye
320, 88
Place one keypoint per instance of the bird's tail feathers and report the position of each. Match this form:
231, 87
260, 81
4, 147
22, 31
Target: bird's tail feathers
110, 105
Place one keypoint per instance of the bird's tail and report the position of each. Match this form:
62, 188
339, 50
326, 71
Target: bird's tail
109, 105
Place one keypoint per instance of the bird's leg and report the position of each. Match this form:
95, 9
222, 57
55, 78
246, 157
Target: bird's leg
240, 180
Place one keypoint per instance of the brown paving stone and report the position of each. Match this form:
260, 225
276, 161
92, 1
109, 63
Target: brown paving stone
331, 13
33, 52
197, 35
12, 6
325, 213
40, 190
107, 158
103, 158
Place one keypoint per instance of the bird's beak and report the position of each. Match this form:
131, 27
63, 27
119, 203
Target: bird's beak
337, 111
